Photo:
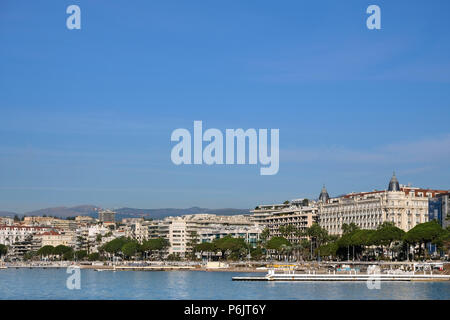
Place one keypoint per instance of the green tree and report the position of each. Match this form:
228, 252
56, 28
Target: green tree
230, 245
81, 254
256, 253
29, 255
318, 236
95, 256
208, 247
265, 234
424, 233
287, 231
386, 234
114, 246
130, 249
278, 244
349, 228
68, 255
192, 242
154, 245
328, 250
174, 257
3, 250
45, 251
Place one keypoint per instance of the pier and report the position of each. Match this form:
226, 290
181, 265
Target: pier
272, 275
345, 277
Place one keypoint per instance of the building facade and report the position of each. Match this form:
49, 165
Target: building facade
53, 238
403, 205
107, 216
439, 209
184, 231
17, 233
299, 213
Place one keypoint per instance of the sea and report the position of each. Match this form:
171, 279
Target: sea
57, 284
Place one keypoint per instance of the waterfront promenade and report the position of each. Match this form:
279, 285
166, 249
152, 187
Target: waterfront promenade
308, 268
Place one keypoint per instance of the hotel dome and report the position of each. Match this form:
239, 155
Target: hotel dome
324, 195
393, 184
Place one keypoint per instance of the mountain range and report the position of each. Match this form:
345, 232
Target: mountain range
91, 210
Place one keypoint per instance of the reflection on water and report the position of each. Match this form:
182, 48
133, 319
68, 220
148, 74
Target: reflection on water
51, 284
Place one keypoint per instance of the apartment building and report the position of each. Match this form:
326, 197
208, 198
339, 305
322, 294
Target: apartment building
19, 248
7, 221
53, 238
299, 213
251, 234
17, 233
107, 216
182, 231
51, 222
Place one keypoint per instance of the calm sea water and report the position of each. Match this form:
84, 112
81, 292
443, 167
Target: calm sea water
51, 284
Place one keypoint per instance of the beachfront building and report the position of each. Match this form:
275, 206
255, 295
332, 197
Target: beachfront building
145, 230
181, 232
53, 238
19, 248
16, 233
251, 234
262, 212
299, 213
405, 206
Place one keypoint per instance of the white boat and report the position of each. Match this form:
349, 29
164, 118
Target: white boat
106, 269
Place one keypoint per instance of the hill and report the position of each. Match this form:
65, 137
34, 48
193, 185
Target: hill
91, 210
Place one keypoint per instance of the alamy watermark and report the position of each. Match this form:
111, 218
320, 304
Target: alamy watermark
374, 281
235, 147
73, 282
374, 20
74, 20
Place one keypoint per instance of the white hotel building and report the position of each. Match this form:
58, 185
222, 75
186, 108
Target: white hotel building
402, 205
18, 233
178, 230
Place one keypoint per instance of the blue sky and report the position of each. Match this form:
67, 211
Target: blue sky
86, 115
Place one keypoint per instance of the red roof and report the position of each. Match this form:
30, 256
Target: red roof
49, 233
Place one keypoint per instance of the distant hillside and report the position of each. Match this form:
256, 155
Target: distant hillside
64, 212
91, 210
7, 214
165, 212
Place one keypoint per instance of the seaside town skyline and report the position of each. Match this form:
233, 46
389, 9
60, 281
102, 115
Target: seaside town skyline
403, 206
211, 157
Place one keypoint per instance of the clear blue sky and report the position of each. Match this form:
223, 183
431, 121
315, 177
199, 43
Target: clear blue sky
86, 115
